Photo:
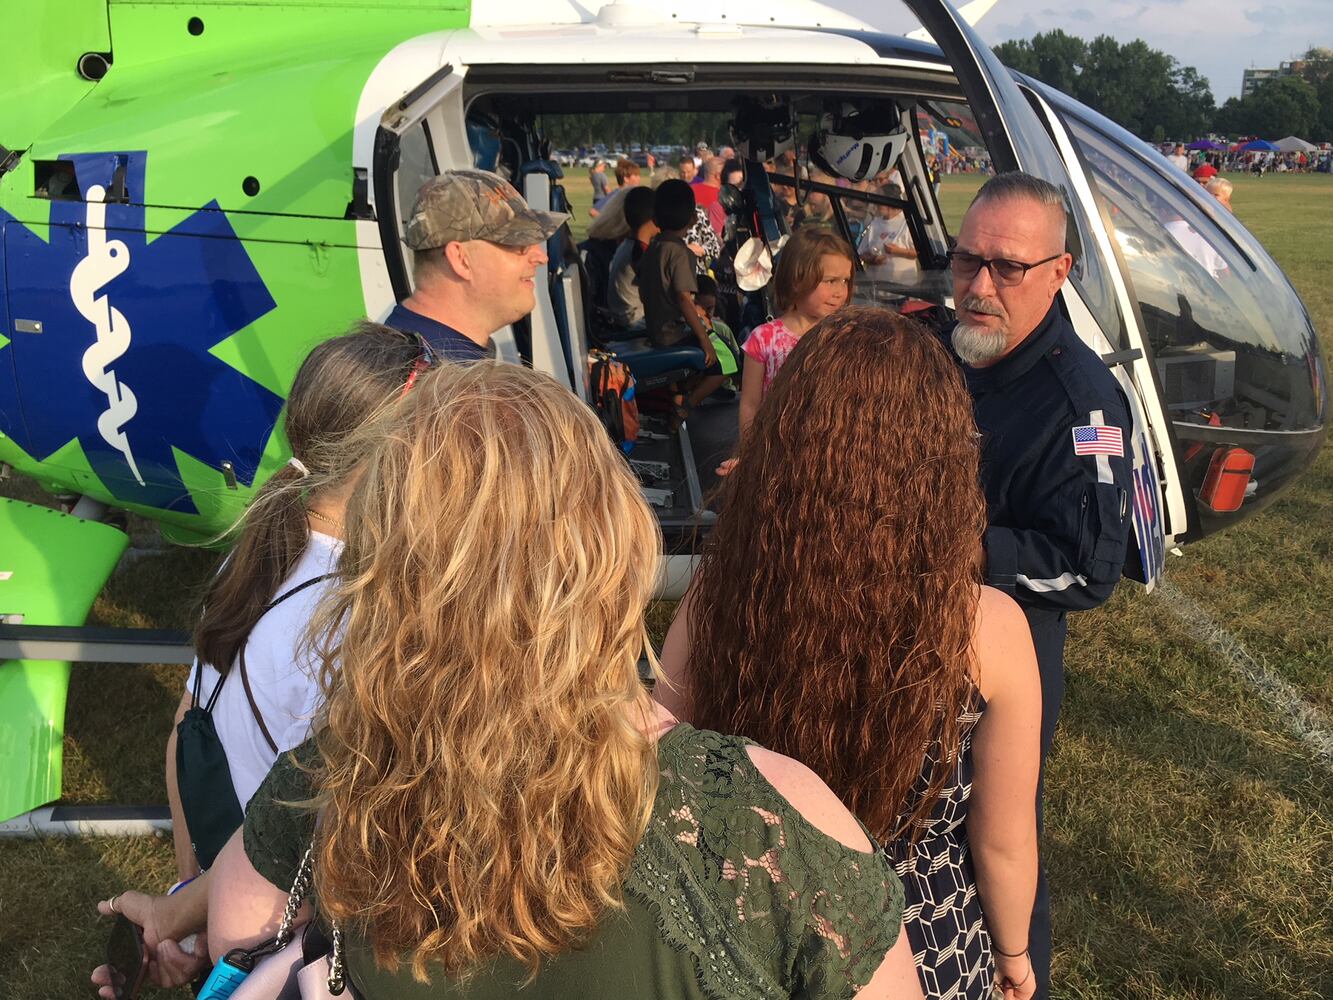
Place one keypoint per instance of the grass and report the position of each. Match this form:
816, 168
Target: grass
1189, 834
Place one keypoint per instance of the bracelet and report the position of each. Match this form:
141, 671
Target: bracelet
1005, 954
1025, 978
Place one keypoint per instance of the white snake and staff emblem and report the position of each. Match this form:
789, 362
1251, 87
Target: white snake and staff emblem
107, 259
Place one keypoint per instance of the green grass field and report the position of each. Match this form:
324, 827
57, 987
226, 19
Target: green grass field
1189, 832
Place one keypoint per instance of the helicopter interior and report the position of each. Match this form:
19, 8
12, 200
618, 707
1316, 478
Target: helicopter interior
505, 126
1230, 342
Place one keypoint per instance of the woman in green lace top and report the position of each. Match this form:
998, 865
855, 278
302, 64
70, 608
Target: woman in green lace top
495, 804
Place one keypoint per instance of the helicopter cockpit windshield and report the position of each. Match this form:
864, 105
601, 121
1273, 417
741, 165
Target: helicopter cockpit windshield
1233, 348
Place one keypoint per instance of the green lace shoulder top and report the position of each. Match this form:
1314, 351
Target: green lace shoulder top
731, 894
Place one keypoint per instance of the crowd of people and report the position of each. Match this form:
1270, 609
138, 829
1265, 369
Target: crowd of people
1257, 162
435, 619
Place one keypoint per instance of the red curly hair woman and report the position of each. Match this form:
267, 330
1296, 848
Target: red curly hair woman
838, 617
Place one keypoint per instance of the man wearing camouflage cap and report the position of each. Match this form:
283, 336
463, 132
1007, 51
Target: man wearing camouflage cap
478, 247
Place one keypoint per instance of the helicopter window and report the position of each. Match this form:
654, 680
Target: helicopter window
416, 166
1221, 355
948, 127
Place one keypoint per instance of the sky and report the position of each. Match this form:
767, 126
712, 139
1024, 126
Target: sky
1220, 38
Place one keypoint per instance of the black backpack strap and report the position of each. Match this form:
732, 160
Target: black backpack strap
245, 677
254, 707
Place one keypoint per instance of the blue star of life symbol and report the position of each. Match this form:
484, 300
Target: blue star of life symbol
121, 361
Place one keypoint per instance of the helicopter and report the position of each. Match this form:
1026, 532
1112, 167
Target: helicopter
193, 195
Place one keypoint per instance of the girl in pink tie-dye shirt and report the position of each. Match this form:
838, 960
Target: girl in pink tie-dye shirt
813, 280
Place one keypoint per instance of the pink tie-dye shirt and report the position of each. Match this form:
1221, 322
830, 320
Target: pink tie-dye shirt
769, 344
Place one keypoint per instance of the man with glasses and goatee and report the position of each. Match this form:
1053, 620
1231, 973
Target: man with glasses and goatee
1054, 437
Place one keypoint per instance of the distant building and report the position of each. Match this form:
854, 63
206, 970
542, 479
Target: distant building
1252, 78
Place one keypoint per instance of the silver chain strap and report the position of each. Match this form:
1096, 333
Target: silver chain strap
337, 974
300, 886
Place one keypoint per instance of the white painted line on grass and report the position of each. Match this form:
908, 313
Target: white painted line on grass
1306, 721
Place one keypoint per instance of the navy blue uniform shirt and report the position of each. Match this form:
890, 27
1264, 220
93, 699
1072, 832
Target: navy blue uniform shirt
1059, 520
447, 343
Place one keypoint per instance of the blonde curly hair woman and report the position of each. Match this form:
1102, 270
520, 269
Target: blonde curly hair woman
495, 802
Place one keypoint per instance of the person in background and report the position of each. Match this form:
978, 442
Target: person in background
886, 246
255, 613
709, 183
1179, 159
667, 284
838, 612
1055, 428
817, 207
1220, 188
623, 290
627, 174
600, 187
689, 170
703, 239
733, 173
493, 803
701, 153
724, 340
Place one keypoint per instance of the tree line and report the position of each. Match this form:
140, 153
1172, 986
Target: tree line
1150, 93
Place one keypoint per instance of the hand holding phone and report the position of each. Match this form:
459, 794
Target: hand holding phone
127, 957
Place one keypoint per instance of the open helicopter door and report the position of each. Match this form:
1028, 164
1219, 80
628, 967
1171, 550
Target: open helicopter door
1019, 140
420, 135
1137, 366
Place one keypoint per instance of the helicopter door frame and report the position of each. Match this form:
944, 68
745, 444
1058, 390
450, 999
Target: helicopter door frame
1138, 365
436, 103
1018, 139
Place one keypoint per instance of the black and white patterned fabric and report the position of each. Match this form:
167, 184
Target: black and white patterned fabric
943, 915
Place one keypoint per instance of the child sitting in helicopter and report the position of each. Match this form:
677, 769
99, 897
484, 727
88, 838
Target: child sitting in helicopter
667, 285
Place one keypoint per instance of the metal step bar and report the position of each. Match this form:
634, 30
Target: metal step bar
94, 644
89, 821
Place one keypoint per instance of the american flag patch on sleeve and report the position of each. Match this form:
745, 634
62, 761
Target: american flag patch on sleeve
1094, 439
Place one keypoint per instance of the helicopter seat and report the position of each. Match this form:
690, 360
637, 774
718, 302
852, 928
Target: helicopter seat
656, 367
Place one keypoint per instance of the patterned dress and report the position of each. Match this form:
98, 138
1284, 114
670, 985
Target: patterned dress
945, 925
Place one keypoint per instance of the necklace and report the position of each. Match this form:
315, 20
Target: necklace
324, 517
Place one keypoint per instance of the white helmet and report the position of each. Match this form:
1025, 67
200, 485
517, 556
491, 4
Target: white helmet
858, 144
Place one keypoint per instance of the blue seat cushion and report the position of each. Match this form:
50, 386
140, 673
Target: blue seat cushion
645, 360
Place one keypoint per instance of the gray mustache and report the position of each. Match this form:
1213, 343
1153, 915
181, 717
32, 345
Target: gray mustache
979, 305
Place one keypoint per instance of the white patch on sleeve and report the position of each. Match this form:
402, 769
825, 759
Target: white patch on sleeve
1098, 419
1062, 582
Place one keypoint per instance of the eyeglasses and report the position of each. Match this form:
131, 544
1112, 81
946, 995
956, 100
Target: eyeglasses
1003, 271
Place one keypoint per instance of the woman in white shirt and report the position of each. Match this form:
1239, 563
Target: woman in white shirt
256, 608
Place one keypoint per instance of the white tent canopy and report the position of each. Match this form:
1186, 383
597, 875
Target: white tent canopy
1291, 144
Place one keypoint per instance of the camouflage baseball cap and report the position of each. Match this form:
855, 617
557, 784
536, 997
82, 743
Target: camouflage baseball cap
476, 205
